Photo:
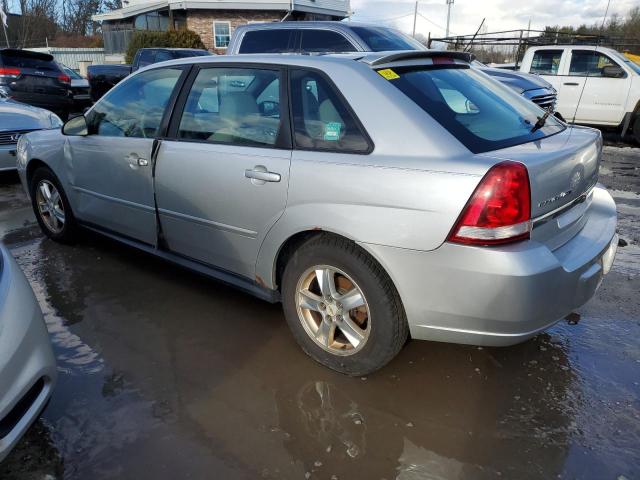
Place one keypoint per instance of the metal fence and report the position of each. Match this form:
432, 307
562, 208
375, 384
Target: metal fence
116, 41
72, 56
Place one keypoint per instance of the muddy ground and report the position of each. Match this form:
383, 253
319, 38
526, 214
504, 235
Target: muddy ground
167, 375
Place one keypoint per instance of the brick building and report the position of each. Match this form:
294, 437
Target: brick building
213, 20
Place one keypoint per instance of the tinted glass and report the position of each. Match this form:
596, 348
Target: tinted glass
266, 41
163, 56
190, 53
546, 62
146, 58
233, 106
325, 41
18, 61
321, 119
136, 106
586, 63
480, 112
385, 39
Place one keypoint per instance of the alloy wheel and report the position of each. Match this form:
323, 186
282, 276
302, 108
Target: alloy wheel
333, 310
50, 206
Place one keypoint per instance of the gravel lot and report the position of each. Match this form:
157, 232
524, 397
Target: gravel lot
166, 375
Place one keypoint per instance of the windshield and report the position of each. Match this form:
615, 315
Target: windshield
628, 62
71, 73
385, 39
480, 112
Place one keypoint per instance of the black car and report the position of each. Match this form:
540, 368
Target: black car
35, 79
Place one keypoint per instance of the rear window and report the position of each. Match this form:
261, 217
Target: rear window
19, 61
189, 53
385, 40
266, 41
480, 112
325, 41
546, 62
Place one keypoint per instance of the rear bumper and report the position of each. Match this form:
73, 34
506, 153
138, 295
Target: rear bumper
503, 295
27, 364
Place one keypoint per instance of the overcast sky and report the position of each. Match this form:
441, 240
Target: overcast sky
466, 15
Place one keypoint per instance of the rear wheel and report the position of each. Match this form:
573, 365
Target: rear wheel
51, 206
342, 308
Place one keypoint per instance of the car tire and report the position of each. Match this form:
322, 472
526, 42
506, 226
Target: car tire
53, 212
356, 341
636, 129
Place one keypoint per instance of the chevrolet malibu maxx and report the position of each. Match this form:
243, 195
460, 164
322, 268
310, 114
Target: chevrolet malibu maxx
378, 196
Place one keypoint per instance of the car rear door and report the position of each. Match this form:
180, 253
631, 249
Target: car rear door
222, 175
549, 63
111, 168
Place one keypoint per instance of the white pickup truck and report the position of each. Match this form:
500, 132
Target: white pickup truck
596, 85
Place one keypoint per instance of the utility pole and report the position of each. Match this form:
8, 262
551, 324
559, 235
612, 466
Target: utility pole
415, 19
449, 3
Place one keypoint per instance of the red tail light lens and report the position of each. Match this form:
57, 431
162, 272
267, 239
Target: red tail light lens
9, 72
499, 211
64, 78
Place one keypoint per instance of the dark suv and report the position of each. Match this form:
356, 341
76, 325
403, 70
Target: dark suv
35, 79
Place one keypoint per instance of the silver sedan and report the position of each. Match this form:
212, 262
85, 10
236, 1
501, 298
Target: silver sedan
16, 119
376, 196
27, 365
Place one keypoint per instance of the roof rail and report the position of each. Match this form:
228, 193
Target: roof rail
420, 54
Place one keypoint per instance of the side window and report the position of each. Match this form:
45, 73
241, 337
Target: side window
147, 57
163, 56
546, 62
266, 41
135, 107
319, 41
221, 34
589, 63
233, 106
321, 119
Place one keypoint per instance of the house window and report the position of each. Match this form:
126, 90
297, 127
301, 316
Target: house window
221, 34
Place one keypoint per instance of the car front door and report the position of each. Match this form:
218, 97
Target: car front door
602, 99
112, 166
222, 176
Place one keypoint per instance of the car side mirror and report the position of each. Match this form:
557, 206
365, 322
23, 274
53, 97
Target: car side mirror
76, 127
613, 71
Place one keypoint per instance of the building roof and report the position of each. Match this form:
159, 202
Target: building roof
338, 8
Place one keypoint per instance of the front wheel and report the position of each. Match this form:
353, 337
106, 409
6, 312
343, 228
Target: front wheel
636, 129
51, 207
342, 308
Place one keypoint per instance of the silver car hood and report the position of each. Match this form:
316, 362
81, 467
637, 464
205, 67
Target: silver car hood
18, 116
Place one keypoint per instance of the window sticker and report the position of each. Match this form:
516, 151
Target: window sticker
332, 131
389, 74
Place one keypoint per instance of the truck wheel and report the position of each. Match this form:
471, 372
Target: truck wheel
342, 308
51, 206
636, 129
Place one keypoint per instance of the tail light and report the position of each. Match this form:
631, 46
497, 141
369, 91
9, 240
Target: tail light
9, 72
64, 78
499, 211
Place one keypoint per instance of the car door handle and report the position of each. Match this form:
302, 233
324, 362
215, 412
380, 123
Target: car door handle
136, 160
261, 174
572, 84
